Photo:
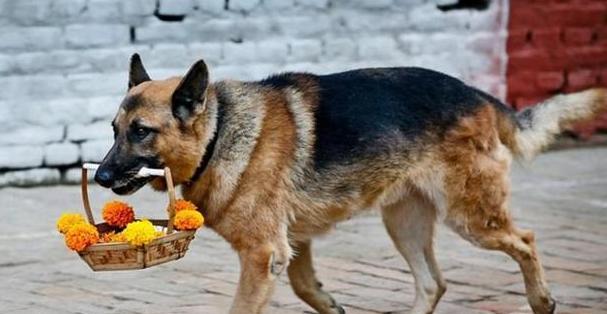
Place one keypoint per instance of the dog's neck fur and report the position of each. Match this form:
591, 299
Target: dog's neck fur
213, 121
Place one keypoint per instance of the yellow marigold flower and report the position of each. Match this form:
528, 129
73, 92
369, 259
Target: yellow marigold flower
68, 220
139, 232
112, 236
118, 237
118, 214
188, 220
182, 204
80, 236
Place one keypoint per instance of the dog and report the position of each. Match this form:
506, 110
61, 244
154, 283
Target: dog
273, 163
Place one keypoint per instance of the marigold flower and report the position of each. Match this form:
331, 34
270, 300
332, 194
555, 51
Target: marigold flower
182, 204
112, 236
139, 232
106, 237
80, 236
68, 220
118, 214
118, 237
188, 220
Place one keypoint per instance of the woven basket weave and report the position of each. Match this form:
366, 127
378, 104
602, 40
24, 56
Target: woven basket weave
123, 256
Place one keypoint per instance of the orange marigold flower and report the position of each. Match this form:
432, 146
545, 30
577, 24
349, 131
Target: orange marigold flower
188, 220
182, 204
107, 237
68, 220
118, 214
80, 236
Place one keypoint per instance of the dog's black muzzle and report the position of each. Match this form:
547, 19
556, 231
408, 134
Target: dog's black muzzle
120, 172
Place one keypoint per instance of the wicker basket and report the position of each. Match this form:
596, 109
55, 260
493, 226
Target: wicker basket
123, 256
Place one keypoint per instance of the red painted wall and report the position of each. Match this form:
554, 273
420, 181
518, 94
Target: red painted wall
556, 46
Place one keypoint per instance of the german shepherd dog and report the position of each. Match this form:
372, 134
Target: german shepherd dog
273, 163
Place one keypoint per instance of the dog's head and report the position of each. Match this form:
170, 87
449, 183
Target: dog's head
159, 123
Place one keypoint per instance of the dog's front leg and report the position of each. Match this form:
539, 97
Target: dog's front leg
259, 267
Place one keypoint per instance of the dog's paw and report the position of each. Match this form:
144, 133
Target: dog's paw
335, 306
552, 306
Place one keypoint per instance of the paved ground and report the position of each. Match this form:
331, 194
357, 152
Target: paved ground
562, 196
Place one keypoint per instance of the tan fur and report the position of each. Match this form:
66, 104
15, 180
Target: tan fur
261, 193
554, 115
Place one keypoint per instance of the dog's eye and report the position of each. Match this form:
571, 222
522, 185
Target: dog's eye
142, 132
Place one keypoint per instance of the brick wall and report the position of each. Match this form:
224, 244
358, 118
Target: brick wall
556, 46
63, 62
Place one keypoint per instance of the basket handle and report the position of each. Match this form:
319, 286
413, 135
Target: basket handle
143, 172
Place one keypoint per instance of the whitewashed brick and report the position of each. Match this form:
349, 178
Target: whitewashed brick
95, 35
175, 7
66, 60
277, 4
420, 44
138, 7
57, 112
162, 32
211, 6
29, 12
305, 50
93, 131
273, 51
95, 150
243, 5
318, 4
251, 28
31, 62
303, 26
378, 48
7, 120
239, 52
340, 49
30, 38
169, 55
60, 154
88, 85
211, 52
373, 4
74, 176
215, 30
64, 9
428, 18
21, 156
103, 108
368, 21
6, 64
32, 135
103, 11
30, 177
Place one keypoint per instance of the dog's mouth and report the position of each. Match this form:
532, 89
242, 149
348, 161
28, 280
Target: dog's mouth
130, 185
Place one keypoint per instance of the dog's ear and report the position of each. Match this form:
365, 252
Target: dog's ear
188, 98
137, 73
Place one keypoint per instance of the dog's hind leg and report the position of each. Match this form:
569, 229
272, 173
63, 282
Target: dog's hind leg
478, 190
410, 223
304, 282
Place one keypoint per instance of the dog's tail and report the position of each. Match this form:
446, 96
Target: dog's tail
537, 126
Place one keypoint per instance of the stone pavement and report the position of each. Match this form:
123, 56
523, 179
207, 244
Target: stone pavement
562, 196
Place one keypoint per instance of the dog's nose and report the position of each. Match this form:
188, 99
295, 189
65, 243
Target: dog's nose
104, 177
